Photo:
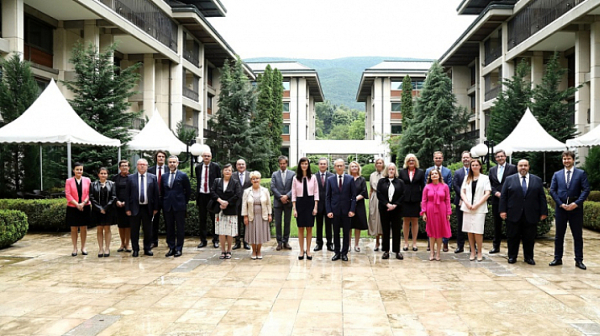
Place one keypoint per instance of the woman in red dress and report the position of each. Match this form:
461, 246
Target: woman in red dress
436, 211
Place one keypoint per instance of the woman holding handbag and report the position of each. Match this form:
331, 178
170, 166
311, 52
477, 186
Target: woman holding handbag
226, 192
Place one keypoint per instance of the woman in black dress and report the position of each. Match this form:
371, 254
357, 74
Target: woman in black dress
390, 192
121, 217
103, 195
359, 221
414, 181
305, 200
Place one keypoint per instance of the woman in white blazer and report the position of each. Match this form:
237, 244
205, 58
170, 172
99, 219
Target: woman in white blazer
256, 210
474, 192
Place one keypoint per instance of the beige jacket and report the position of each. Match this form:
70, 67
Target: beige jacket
248, 203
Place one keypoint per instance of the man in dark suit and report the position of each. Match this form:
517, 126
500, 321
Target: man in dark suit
158, 170
438, 162
281, 187
322, 177
459, 177
498, 175
522, 204
206, 173
242, 176
340, 204
141, 206
569, 189
175, 197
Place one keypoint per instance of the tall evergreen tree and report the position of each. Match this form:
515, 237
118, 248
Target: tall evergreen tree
436, 122
407, 101
276, 118
101, 92
511, 104
19, 163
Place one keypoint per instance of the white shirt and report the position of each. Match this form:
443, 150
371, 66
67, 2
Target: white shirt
172, 177
566, 170
145, 188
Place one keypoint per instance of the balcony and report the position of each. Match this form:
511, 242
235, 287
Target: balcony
147, 16
491, 54
535, 16
469, 136
192, 53
191, 94
492, 92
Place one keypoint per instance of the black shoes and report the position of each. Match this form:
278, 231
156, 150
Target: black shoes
344, 257
237, 245
399, 256
202, 244
301, 257
135, 254
336, 257
154, 245
100, 255
148, 253
246, 246
216, 244
494, 250
386, 255
530, 261
279, 247
580, 265
318, 248
84, 253
556, 262
330, 248
512, 260
178, 254
459, 250
287, 246
170, 253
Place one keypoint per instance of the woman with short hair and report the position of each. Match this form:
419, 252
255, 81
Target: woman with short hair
226, 191
103, 195
257, 213
390, 191
77, 192
359, 221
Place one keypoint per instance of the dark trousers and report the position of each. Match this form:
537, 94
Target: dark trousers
143, 219
202, 203
390, 219
241, 228
155, 225
497, 225
460, 235
575, 220
344, 223
283, 233
322, 217
175, 222
517, 231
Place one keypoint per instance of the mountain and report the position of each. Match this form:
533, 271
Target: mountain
339, 77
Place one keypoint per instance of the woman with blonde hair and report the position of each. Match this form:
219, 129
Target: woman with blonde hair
414, 180
374, 218
474, 192
390, 191
359, 221
256, 210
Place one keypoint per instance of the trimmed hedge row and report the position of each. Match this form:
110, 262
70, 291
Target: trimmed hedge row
42, 215
591, 215
13, 227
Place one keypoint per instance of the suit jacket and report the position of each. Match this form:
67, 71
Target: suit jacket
152, 170
446, 175
248, 204
383, 187
509, 170
247, 184
214, 172
578, 191
322, 190
340, 203
176, 198
533, 204
231, 194
413, 190
280, 188
457, 182
95, 189
71, 190
133, 201
483, 185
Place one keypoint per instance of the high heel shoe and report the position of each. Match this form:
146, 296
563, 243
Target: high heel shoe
308, 257
301, 256
471, 258
84, 252
376, 249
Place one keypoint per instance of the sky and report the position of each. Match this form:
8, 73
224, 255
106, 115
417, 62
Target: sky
327, 29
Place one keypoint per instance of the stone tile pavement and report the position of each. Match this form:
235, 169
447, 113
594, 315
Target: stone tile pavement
45, 291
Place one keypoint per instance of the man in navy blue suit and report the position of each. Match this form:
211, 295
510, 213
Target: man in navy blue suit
438, 161
569, 189
498, 175
340, 204
176, 191
459, 176
141, 206
523, 205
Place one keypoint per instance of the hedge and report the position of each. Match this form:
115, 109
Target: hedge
42, 215
594, 196
13, 227
591, 215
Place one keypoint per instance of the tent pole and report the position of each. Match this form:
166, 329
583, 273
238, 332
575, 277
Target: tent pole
41, 175
544, 167
69, 160
119, 156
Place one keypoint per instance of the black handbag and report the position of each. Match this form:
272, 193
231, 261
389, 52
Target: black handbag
213, 206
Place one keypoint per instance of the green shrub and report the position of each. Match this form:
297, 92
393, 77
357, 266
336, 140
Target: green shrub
594, 196
591, 215
13, 227
47, 215
367, 170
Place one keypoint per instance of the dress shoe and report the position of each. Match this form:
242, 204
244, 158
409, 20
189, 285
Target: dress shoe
580, 265
494, 250
237, 245
100, 255
154, 245
246, 246
344, 257
445, 249
178, 254
512, 260
121, 250
216, 244
170, 253
84, 252
530, 261
335, 257
399, 256
330, 248
318, 248
128, 250
386, 255
287, 246
279, 246
148, 253
74, 254
135, 254
555, 262
202, 244
459, 250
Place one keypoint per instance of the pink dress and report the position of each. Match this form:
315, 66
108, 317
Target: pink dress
436, 204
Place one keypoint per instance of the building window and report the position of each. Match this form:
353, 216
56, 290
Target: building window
39, 44
286, 107
396, 85
209, 103
417, 85
472, 75
396, 107
286, 86
209, 76
286, 129
396, 129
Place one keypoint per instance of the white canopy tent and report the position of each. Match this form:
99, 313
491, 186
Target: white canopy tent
591, 138
156, 135
51, 120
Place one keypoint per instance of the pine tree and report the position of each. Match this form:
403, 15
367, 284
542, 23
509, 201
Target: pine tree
101, 99
511, 104
552, 111
18, 90
436, 121
264, 111
407, 101
276, 118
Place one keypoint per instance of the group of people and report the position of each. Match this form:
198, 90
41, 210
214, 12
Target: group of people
241, 212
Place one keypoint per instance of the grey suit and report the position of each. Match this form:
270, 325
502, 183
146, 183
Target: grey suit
280, 188
247, 184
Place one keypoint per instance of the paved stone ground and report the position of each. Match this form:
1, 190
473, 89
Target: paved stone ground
45, 291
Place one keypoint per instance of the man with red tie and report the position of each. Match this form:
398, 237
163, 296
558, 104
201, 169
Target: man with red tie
340, 204
206, 173
158, 170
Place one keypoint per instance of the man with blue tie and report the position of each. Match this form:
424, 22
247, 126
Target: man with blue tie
569, 189
523, 205
498, 175
438, 161
340, 204
176, 191
141, 205
459, 177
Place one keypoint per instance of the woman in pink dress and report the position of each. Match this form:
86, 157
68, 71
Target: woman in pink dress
436, 211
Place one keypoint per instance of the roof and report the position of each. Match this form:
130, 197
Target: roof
395, 69
530, 136
156, 135
294, 69
209, 8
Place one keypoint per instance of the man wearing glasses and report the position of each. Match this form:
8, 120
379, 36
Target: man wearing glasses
206, 173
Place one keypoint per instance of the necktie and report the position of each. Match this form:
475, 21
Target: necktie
500, 173
568, 178
242, 179
322, 178
206, 178
524, 186
340, 182
171, 177
142, 189
159, 178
